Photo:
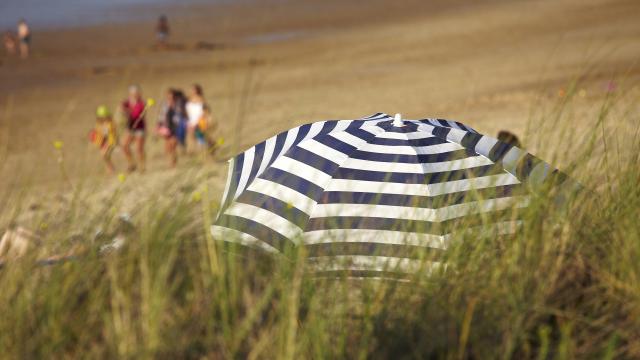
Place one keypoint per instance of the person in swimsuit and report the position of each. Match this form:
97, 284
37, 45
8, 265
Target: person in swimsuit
195, 112
134, 109
105, 136
172, 118
24, 36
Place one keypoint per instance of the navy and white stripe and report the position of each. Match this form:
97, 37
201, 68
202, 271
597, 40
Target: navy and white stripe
369, 197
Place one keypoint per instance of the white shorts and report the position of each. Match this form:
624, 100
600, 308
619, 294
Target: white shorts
136, 132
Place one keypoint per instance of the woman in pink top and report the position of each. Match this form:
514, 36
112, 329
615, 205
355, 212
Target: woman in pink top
134, 108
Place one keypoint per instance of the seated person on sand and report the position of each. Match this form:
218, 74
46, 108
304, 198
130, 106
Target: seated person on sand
508, 137
105, 136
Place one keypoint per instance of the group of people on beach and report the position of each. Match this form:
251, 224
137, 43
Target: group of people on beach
18, 42
184, 122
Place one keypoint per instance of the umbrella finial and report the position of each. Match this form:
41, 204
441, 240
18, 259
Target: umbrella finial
397, 120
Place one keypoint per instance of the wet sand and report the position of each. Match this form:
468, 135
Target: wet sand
267, 66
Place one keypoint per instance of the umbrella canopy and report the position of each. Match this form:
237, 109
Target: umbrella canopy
362, 195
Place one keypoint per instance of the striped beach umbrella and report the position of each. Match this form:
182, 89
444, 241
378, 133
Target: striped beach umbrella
368, 196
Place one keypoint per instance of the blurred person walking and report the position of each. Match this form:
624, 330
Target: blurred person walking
24, 36
181, 107
172, 122
105, 136
195, 113
134, 109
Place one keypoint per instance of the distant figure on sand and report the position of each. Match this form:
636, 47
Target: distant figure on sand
24, 36
135, 108
162, 32
105, 136
509, 138
195, 112
10, 42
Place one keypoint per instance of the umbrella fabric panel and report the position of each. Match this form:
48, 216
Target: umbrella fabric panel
246, 166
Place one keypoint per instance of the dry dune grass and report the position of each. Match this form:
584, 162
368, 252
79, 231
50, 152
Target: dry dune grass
565, 286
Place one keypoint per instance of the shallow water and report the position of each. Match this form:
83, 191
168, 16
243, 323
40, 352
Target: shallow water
71, 13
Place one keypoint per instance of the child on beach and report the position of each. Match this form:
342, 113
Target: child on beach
206, 132
105, 136
201, 130
134, 108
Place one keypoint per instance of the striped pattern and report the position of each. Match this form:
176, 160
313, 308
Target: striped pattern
373, 199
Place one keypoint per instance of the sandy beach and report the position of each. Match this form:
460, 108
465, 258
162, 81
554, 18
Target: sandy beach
269, 65
418, 249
